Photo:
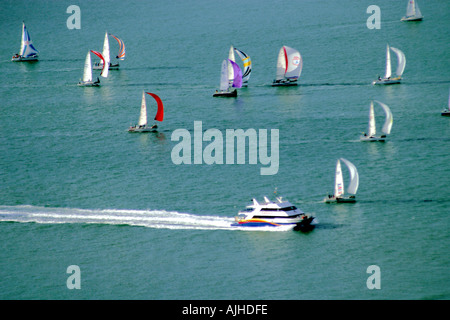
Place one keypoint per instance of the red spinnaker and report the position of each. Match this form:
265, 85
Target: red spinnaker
160, 113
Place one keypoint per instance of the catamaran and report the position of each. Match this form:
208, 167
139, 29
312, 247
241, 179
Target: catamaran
401, 63
247, 63
27, 50
106, 53
446, 112
280, 214
225, 85
338, 195
289, 67
87, 73
142, 124
412, 12
371, 134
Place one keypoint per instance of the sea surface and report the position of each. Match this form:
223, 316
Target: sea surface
77, 189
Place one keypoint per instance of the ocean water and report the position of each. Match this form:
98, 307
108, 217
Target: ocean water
77, 189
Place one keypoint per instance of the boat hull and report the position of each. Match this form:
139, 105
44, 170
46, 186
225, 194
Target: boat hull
144, 129
298, 224
25, 59
88, 84
445, 113
350, 199
411, 19
387, 81
225, 93
373, 139
99, 66
284, 83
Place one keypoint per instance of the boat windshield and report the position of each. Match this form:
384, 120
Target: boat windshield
280, 209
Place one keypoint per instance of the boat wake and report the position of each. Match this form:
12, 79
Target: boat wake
157, 219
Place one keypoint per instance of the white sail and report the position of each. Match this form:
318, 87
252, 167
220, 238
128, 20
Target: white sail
87, 74
372, 128
143, 115
339, 181
26, 45
230, 67
281, 65
294, 63
354, 177
388, 63
389, 118
412, 10
105, 52
224, 76
401, 61
417, 10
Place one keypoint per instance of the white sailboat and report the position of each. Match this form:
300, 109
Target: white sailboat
27, 50
87, 72
401, 63
289, 67
371, 134
225, 85
339, 192
446, 112
107, 56
247, 63
412, 12
142, 124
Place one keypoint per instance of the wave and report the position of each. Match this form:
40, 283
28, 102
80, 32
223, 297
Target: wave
158, 219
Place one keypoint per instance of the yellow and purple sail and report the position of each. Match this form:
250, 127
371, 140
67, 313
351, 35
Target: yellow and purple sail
247, 62
237, 80
121, 54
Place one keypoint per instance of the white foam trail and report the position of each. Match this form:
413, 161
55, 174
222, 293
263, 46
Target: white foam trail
145, 218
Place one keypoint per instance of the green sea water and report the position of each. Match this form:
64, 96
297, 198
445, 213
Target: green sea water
77, 189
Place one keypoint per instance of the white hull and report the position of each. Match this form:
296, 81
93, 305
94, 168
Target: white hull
143, 129
21, 58
387, 81
333, 199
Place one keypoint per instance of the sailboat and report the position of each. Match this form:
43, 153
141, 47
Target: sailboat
446, 112
371, 135
289, 67
401, 63
87, 73
412, 12
106, 54
225, 85
27, 50
142, 124
339, 192
247, 63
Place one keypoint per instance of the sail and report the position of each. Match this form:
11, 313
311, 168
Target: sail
411, 9
372, 129
143, 114
354, 177
105, 71
294, 63
417, 10
224, 76
237, 80
389, 118
121, 54
339, 181
230, 67
388, 63
247, 62
281, 64
87, 73
401, 61
26, 45
449, 101
160, 113
105, 51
